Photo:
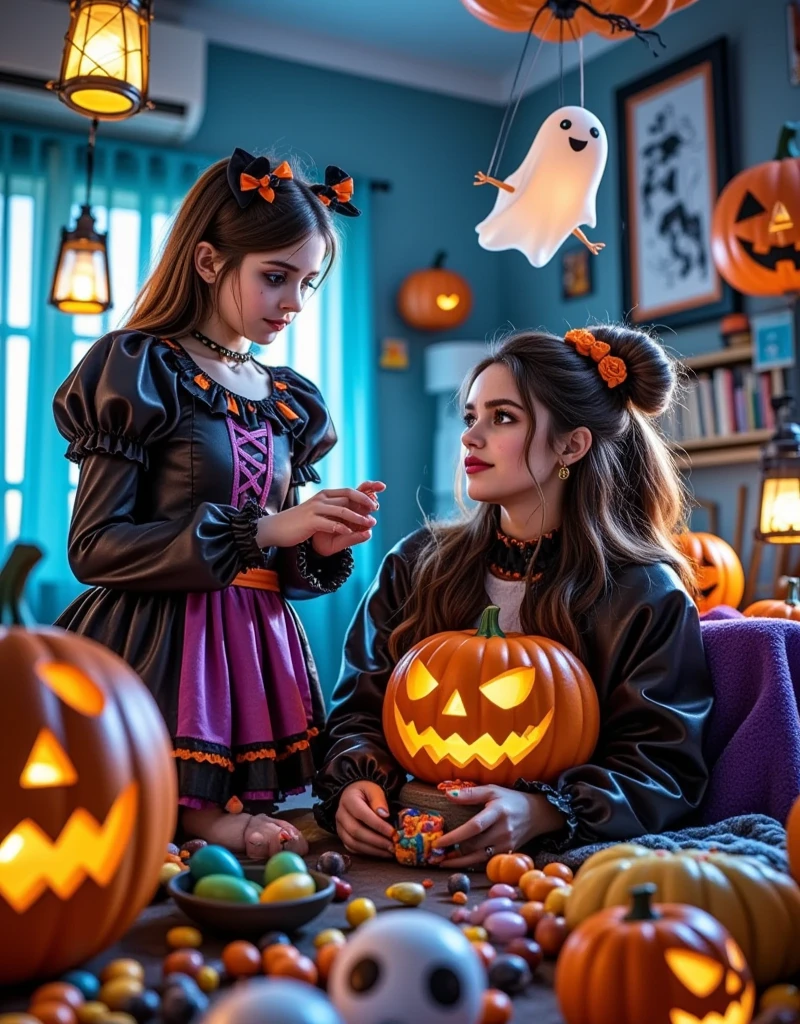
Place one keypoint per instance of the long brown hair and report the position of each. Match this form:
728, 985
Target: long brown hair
175, 299
623, 502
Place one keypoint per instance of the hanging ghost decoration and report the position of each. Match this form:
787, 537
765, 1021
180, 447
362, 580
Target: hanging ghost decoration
552, 192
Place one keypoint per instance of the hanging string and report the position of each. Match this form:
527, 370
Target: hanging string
561, 63
580, 61
90, 161
505, 124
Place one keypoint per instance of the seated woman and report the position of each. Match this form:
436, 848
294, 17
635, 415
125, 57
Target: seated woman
577, 502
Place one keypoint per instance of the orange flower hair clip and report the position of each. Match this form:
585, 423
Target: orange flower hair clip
611, 368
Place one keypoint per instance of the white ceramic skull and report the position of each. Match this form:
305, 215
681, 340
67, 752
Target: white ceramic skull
272, 1001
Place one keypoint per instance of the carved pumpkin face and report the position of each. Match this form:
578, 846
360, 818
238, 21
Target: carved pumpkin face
487, 707
89, 799
718, 571
689, 969
756, 228
434, 299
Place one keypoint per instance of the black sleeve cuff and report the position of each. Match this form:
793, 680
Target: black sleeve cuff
245, 528
325, 575
553, 842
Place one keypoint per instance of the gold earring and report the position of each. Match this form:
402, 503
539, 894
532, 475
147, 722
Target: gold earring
563, 473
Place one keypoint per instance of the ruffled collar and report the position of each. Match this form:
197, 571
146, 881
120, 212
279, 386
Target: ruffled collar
281, 407
509, 558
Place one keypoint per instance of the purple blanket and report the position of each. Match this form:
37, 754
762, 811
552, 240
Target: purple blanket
753, 742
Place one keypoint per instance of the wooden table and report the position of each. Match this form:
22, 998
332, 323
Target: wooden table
145, 941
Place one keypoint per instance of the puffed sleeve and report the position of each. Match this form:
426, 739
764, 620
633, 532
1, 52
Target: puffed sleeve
118, 402
356, 748
645, 655
303, 572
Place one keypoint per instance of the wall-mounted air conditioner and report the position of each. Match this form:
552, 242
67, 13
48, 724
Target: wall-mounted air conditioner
31, 43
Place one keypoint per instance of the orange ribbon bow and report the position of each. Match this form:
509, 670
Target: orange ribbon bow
611, 368
344, 192
266, 186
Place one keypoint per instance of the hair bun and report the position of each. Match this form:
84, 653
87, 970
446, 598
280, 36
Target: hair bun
651, 378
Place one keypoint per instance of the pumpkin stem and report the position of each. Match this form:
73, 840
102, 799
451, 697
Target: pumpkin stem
490, 622
438, 260
13, 577
641, 908
788, 146
793, 591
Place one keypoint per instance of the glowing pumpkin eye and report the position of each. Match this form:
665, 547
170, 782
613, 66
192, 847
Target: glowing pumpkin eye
420, 682
735, 955
48, 764
72, 686
511, 688
699, 974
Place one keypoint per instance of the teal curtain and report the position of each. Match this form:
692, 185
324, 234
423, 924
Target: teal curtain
136, 190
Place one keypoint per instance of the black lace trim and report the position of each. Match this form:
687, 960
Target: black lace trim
553, 842
245, 528
324, 574
509, 559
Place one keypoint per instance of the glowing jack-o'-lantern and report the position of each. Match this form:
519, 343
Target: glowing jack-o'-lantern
758, 905
491, 708
89, 792
755, 231
688, 969
435, 299
718, 571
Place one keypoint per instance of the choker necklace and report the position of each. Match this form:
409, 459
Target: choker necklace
509, 558
222, 352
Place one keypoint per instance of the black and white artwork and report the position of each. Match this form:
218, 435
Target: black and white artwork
670, 170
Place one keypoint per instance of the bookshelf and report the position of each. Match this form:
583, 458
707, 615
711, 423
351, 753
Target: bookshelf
726, 415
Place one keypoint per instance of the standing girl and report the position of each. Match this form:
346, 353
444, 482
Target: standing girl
577, 501
187, 520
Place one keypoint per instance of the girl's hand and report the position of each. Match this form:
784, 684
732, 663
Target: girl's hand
326, 544
361, 820
508, 821
328, 513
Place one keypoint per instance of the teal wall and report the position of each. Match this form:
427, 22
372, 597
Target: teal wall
761, 100
429, 147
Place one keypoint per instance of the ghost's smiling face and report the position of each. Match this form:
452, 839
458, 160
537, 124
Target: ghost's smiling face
577, 144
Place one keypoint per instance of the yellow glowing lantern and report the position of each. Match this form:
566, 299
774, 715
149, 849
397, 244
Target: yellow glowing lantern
779, 516
89, 792
105, 65
491, 708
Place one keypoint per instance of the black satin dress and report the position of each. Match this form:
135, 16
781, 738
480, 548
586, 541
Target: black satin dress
175, 472
642, 648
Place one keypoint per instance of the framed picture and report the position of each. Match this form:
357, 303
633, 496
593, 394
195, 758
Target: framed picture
576, 273
773, 340
674, 146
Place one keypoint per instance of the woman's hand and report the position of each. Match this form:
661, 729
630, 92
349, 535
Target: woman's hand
361, 499
361, 820
334, 513
508, 821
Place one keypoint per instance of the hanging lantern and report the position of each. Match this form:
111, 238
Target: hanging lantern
81, 281
779, 516
104, 68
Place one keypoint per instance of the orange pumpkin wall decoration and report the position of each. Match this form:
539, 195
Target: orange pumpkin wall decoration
490, 708
719, 573
793, 840
775, 608
755, 230
434, 299
564, 19
664, 964
89, 792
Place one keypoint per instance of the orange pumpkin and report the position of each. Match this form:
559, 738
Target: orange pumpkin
434, 299
664, 964
89, 792
508, 867
793, 840
755, 230
718, 571
480, 705
773, 608
566, 19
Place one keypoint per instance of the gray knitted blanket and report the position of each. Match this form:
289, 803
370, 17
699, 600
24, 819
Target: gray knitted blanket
754, 835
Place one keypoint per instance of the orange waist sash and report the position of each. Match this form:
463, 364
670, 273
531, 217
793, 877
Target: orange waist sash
258, 579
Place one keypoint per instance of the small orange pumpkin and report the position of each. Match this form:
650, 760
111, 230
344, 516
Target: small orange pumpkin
774, 608
491, 708
718, 571
508, 867
755, 230
793, 840
561, 20
664, 964
434, 299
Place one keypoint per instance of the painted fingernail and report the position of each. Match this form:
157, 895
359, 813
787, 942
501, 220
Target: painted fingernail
452, 792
